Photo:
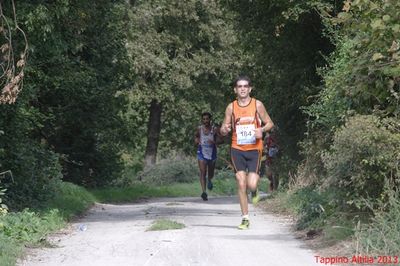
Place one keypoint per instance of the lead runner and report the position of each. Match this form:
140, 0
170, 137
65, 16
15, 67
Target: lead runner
247, 118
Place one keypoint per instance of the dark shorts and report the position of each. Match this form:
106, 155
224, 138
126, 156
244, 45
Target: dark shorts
246, 160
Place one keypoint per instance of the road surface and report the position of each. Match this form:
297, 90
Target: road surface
116, 235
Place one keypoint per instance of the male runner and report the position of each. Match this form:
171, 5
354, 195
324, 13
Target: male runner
247, 118
205, 138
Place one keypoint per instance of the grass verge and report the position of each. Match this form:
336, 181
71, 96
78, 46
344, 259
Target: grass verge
140, 191
28, 228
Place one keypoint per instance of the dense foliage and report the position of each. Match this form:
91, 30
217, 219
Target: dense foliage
169, 171
364, 72
181, 58
353, 141
90, 86
284, 45
363, 78
363, 159
66, 123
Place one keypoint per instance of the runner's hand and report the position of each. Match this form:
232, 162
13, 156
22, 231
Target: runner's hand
258, 132
225, 129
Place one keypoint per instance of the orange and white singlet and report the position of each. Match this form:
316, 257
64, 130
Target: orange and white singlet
244, 121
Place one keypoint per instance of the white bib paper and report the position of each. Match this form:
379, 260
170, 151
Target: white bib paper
245, 134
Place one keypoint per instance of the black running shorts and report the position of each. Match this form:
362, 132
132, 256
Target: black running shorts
246, 160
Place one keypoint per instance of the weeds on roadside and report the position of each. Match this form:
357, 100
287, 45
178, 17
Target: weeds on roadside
165, 224
314, 211
382, 235
30, 227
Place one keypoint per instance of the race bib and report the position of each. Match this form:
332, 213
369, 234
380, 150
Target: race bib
245, 134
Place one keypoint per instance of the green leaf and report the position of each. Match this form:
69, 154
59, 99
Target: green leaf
392, 71
377, 24
344, 16
396, 28
377, 56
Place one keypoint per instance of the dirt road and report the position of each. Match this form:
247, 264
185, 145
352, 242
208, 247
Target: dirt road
116, 235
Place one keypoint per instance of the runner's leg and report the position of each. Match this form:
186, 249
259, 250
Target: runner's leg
252, 181
210, 170
254, 161
242, 191
203, 172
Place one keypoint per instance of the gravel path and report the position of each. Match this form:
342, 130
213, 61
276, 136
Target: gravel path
116, 235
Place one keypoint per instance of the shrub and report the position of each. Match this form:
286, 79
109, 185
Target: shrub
28, 226
225, 182
382, 235
3, 207
311, 206
363, 155
36, 171
176, 170
311, 169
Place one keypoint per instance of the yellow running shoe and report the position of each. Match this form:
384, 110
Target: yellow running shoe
244, 225
255, 197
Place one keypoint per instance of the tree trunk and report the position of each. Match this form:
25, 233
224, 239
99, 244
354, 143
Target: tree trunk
153, 133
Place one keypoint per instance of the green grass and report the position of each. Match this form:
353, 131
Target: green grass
165, 224
382, 234
28, 228
222, 186
141, 191
9, 251
70, 201
225, 184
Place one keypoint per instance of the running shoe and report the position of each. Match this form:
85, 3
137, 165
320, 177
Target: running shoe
244, 225
204, 196
210, 185
255, 197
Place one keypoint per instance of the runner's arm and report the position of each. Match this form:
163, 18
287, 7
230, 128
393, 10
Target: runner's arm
226, 126
265, 118
218, 137
197, 137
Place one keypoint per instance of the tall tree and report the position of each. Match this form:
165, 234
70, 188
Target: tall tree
175, 46
76, 77
68, 106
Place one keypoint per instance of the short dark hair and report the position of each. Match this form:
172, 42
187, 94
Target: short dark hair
241, 77
206, 113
